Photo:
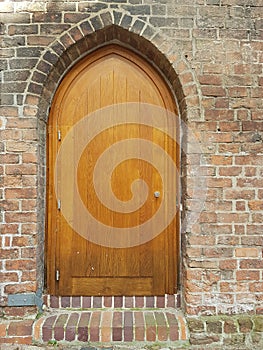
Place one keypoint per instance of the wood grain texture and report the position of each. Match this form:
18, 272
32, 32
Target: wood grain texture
109, 76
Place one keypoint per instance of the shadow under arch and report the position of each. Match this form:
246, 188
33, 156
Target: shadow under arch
80, 41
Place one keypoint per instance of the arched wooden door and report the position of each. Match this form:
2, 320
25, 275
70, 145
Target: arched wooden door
77, 265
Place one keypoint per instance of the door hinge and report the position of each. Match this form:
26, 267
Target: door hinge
59, 204
57, 275
59, 135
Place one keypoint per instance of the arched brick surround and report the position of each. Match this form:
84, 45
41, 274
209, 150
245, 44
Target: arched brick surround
79, 41
97, 31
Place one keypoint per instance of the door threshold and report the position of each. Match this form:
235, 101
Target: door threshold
125, 302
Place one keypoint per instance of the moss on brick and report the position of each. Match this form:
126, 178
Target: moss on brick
196, 326
257, 338
245, 324
230, 326
203, 339
214, 327
258, 324
235, 339
236, 330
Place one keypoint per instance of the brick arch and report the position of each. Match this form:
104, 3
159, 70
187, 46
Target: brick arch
99, 30
79, 41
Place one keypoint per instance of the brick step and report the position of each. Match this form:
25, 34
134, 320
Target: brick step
109, 326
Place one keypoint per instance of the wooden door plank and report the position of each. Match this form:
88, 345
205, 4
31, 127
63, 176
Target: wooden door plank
112, 286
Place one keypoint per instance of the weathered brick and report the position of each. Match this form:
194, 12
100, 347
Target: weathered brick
196, 326
239, 194
139, 326
20, 288
214, 327
59, 327
3, 328
230, 171
210, 79
94, 327
60, 6
136, 10
70, 331
258, 324
126, 21
53, 29
76, 34
9, 158
96, 22
251, 264
28, 52
247, 275
22, 29
13, 87
216, 50
238, 91
91, 7
50, 17
219, 114
128, 326
20, 328
245, 324
16, 75
13, 217
47, 328
106, 18
247, 252
138, 26
74, 17
28, 276
20, 340
213, 91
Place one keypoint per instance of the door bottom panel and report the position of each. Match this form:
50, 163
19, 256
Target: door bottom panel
111, 285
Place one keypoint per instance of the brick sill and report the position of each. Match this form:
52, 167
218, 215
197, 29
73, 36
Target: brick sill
97, 302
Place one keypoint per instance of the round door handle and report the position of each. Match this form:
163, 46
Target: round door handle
157, 194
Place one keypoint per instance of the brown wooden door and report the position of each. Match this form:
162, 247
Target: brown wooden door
77, 265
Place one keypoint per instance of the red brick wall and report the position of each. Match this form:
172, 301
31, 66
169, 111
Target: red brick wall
211, 52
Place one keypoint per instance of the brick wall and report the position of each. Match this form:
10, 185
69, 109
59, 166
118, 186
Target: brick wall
211, 52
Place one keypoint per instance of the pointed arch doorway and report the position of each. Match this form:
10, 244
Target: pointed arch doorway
77, 265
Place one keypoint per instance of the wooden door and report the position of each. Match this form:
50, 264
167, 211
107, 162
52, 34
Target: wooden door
77, 265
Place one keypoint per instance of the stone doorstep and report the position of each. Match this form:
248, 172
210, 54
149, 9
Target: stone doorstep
111, 326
